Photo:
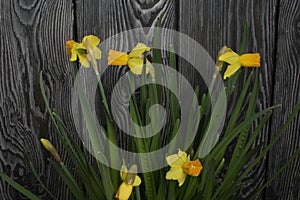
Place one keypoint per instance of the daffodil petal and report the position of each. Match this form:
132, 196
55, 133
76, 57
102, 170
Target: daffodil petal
230, 57
231, 69
174, 173
80, 46
123, 172
73, 54
97, 53
181, 179
124, 191
135, 65
93, 40
84, 61
137, 181
182, 154
177, 160
138, 50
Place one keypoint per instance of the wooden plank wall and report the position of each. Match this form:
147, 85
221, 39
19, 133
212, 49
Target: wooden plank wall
32, 38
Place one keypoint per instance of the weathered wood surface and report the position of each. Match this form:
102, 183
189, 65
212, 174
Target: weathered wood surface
32, 38
33, 35
286, 92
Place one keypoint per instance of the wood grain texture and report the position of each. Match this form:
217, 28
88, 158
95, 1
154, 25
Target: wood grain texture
33, 35
217, 23
286, 93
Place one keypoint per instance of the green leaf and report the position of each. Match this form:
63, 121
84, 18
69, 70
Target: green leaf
291, 159
244, 134
88, 176
219, 150
245, 37
68, 179
211, 134
172, 192
41, 183
161, 192
19, 187
272, 142
237, 109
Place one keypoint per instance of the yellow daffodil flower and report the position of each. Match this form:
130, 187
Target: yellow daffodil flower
49, 147
181, 165
130, 179
86, 51
134, 60
219, 64
235, 61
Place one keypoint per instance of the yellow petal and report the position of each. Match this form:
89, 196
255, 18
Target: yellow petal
177, 160
80, 46
117, 58
136, 65
93, 40
138, 50
174, 173
231, 69
219, 64
137, 181
250, 60
123, 172
181, 179
73, 54
97, 53
230, 57
83, 60
124, 191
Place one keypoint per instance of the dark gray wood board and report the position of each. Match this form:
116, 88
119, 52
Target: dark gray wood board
287, 93
33, 35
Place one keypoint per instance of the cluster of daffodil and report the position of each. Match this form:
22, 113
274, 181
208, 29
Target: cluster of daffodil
180, 164
134, 60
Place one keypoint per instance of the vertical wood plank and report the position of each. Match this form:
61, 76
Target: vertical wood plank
286, 93
217, 23
32, 38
